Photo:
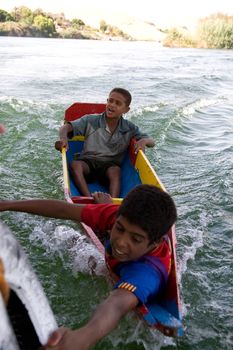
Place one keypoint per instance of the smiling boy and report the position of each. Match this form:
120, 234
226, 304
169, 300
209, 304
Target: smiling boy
137, 253
107, 137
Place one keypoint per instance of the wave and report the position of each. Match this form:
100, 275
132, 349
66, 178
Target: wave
29, 114
83, 255
191, 108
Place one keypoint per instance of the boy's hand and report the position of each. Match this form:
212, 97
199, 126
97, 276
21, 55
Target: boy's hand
66, 339
140, 144
55, 338
101, 197
60, 144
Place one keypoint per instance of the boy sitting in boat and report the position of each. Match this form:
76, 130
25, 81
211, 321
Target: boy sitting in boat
137, 254
107, 137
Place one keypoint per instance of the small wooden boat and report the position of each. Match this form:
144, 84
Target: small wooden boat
165, 313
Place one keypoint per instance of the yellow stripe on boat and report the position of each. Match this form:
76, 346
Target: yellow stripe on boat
78, 138
146, 172
65, 175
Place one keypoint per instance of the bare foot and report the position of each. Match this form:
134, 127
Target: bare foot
102, 197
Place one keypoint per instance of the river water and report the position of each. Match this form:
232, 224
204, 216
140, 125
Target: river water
184, 99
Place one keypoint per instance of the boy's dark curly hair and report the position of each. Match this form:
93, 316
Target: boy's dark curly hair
150, 208
125, 93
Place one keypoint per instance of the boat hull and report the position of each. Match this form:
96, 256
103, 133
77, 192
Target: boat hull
165, 313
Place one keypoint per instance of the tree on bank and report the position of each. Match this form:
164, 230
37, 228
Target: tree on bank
24, 22
5, 16
22, 15
44, 25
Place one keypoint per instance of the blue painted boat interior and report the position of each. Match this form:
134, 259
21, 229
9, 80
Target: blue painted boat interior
129, 178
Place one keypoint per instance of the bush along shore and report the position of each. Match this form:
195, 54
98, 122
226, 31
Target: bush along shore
215, 31
22, 21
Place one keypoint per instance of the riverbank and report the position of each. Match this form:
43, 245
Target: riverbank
24, 22
215, 31
22, 30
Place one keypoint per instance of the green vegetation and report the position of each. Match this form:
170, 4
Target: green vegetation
5, 16
111, 30
24, 22
178, 38
215, 32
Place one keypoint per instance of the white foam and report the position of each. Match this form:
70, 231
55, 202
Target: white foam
42, 110
151, 108
193, 107
139, 111
83, 255
190, 253
150, 338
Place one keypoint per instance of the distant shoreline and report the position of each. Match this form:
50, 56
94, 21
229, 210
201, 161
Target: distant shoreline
213, 32
23, 22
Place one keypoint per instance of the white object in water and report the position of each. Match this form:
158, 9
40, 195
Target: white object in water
26, 288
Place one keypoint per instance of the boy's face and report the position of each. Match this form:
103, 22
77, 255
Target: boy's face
129, 241
116, 106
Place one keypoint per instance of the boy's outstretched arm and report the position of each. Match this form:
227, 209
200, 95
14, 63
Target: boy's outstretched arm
45, 207
104, 320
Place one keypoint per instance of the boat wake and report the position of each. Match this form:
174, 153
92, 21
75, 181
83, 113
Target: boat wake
64, 240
